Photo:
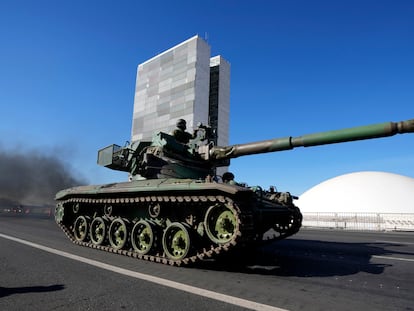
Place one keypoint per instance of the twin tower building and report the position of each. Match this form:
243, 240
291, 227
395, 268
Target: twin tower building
184, 82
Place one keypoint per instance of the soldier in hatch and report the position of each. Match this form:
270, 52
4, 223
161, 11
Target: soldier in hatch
180, 133
228, 178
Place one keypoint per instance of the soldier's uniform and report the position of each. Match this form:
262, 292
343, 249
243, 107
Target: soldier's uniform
180, 134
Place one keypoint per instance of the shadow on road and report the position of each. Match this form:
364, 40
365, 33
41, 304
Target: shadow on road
7, 291
305, 258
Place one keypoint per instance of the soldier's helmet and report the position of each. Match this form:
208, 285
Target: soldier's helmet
181, 124
227, 176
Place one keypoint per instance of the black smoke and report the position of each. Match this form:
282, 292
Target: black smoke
29, 177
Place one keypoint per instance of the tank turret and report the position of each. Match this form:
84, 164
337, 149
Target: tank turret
166, 157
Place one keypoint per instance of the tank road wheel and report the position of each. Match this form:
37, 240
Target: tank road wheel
97, 231
142, 237
118, 233
220, 223
176, 241
80, 228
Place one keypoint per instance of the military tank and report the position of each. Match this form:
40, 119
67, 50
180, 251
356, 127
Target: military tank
175, 210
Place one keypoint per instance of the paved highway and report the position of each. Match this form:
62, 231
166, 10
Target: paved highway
314, 270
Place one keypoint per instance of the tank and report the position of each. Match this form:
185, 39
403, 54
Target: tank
176, 210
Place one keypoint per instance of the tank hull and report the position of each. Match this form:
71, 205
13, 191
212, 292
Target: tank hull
174, 221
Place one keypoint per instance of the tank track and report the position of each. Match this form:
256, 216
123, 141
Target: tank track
244, 232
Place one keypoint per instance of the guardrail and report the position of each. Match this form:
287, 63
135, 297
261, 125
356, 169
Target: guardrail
360, 221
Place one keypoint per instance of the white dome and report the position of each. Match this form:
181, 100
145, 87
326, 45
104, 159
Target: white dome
362, 192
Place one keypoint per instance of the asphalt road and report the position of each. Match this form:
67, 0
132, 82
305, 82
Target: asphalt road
313, 270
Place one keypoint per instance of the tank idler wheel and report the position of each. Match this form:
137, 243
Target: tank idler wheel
59, 212
176, 241
118, 233
220, 224
97, 231
80, 228
143, 236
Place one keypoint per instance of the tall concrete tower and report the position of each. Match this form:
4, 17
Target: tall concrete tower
182, 82
219, 98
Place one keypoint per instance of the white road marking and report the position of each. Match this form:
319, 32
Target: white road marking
394, 242
393, 258
183, 287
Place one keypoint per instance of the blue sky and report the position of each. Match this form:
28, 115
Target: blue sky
68, 70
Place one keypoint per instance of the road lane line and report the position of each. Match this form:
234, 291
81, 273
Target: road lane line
183, 287
394, 242
393, 258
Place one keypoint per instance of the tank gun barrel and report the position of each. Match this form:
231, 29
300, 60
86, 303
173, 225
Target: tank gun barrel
330, 137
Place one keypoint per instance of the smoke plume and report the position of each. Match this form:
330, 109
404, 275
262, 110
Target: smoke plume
29, 177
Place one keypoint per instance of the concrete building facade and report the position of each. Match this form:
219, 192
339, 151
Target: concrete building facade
219, 98
182, 82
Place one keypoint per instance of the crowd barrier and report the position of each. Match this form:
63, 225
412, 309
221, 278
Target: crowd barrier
359, 221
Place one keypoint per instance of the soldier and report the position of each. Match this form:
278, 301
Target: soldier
228, 178
180, 133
